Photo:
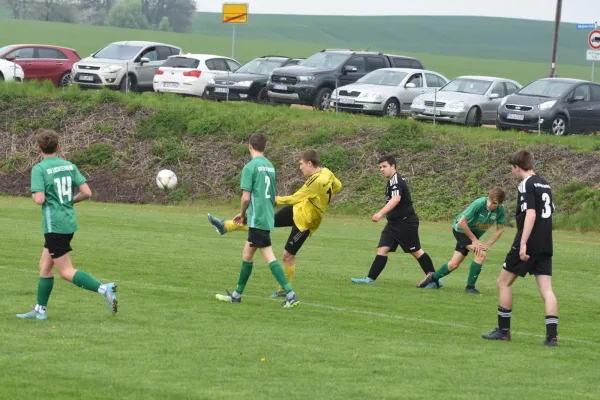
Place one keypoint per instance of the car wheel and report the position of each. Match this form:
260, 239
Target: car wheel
128, 84
501, 128
65, 80
322, 100
559, 126
391, 108
473, 117
262, 96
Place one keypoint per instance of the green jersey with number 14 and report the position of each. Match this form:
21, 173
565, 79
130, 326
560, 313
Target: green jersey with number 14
258, 178
57, 179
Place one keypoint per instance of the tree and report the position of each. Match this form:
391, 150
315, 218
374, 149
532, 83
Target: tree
181, 13
19, 8
93, 12
164, 25
127, 14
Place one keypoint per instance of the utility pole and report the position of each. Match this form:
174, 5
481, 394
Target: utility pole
555, 44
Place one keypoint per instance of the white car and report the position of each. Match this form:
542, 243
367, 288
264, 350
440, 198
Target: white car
189, 73
10, 71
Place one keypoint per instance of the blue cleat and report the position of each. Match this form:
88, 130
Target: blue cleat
435, 285
277, 294
33, 315
219, 224
111, 296
364, 280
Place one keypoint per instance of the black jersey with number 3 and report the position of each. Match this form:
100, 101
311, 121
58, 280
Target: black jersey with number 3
535, 194
396, 186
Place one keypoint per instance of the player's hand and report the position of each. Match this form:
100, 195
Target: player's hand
239, 220
523, 253
376, 217
276, 200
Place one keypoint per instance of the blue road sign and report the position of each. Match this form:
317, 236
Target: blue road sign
586, 26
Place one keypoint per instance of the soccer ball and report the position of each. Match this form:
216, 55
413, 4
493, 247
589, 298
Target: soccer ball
166, 179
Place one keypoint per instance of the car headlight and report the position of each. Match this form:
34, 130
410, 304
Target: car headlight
243, 84
547, 105
305, 78
418, 103
111, 69
455, 106
370, 96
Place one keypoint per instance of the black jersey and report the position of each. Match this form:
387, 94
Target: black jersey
396, 186
535, 194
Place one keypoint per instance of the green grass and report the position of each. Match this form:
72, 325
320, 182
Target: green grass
88, 39
173, 340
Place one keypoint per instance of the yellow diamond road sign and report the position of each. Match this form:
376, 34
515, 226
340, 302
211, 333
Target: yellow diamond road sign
235, 13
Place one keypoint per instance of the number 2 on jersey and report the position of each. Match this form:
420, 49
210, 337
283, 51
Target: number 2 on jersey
268, 184
64, 188
547, 212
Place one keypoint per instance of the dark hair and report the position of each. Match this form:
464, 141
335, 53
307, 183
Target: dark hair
310, 156
47, 140
522, 159
258, 141
497, 194
389, 159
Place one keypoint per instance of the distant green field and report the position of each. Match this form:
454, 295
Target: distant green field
87, 39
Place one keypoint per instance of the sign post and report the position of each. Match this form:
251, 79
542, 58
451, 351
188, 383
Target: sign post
235, 13
594, 42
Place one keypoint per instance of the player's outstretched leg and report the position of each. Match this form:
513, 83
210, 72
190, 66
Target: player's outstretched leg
223, 226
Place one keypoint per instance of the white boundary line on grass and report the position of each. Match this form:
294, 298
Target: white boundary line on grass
328, 307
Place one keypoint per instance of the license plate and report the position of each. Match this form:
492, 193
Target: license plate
221, 90
518, 117
88, 78
346, 101
170, 84
430, 110
280, 87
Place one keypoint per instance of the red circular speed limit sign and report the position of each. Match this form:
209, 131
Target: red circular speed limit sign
594, 39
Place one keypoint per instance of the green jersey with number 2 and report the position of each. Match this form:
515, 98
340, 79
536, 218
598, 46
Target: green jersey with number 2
258, 178
57, 179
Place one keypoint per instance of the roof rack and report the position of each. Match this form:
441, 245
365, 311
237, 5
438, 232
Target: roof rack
280, 56
335, 50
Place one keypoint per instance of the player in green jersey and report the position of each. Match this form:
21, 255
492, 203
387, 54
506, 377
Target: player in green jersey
53, 181
469, 226
257, 211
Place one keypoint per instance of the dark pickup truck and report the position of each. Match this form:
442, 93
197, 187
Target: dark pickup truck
312, 82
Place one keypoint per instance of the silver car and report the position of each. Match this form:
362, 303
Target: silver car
386, 91
470, 100
127, 65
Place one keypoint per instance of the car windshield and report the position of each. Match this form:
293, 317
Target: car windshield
467, 85
546, 88
118, 52
259, 67
383, 77
325, 60
5, 49
181, 62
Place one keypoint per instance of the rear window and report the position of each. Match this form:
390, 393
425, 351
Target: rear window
406, 63
181, 62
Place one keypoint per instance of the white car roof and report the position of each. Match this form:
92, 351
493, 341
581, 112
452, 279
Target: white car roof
143, 44
200, 57
483, 78
408, 70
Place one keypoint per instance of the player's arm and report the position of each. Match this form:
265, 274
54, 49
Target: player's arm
39, 198
336, 185
530, 215
395, 200
464, 226
38, 190
246, 186
495, 236
84, 193
307, 191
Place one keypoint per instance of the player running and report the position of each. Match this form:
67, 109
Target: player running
52, 183
257, 212
303, 211
469, 226
532, 249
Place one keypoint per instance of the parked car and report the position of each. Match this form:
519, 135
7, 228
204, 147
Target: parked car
249, 82
386, 91
43, 62
557, 105
128, 65
470, 100
10, 71
314, 79
189, 73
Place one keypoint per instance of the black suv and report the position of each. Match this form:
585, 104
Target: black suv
249, 82
312, 82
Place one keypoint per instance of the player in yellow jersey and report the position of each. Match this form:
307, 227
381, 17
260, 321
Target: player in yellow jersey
303, 210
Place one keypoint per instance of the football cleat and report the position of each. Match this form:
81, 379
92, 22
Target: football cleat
277, 293
33, 315
364, 280
497, 334
111, 297
228, 297
291, 303
427, 281
472, 290
551, 341
219, 224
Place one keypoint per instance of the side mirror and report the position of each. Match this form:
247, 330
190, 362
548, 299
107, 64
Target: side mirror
9, 58
144, 60
410, 85
350, 68
494, 96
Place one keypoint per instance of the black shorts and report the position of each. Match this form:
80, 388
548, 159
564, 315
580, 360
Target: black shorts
403, 232
259, 238
58, 244
462, 241
285, 217
538, 265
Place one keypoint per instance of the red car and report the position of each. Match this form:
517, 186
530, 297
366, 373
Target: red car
41, 62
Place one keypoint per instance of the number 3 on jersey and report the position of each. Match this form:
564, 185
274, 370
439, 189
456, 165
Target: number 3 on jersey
547, 212
64, 188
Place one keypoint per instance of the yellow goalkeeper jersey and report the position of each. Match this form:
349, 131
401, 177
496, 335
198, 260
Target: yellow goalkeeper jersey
312, 199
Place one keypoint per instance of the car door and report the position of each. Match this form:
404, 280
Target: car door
595, 106
51, 64
410, 91
26, 58
349, 77
489, 106
146, 71
580, 108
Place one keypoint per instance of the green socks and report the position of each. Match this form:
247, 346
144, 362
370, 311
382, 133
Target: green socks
44, 289
244, 276
85, 281
473, 274
440, 273
278, 273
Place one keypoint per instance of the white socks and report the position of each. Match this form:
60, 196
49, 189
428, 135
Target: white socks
40, 309
102, 289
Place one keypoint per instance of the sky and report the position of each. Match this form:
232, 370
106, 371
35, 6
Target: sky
577, 11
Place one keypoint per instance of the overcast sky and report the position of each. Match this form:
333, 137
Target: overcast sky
578, 11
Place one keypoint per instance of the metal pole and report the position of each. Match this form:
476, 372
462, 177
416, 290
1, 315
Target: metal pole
434, 105
555, 44
127, 77
539, 121
594, 62
336, 95
233, 43
227, 85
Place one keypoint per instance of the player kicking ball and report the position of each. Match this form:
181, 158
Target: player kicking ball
469, 226
256, 211
52, 183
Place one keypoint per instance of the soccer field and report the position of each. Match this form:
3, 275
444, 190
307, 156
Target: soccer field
172, 340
